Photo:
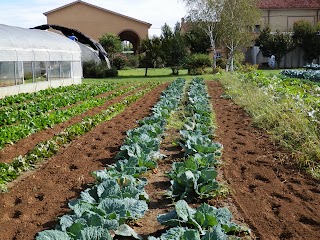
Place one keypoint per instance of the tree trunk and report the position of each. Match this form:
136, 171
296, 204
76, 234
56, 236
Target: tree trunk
214, 51
213, 47
146, 72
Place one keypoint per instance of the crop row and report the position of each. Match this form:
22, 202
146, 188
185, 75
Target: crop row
195, 178
13, 133
119, 194
25, 111
44, 150
312, 75
34, 98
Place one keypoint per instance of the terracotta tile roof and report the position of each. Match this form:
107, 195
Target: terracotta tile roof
272, 4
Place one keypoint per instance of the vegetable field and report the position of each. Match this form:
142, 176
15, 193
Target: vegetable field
146, 160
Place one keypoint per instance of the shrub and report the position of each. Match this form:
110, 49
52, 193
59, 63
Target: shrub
119, 60
218, 70
133, 61
222, 62
92, 69
246, 68
196, 63
28, 76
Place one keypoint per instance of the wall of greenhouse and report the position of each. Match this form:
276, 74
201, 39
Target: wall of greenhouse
33, 60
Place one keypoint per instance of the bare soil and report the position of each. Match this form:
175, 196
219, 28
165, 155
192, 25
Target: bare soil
275, 197
268, 191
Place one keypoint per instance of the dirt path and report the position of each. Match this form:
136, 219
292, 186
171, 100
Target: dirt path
276, 199
41, 196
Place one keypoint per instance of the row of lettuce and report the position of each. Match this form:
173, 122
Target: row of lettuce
21, 120
44, 150
18, 112
103, 211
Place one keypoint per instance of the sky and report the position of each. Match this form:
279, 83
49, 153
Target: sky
29, 13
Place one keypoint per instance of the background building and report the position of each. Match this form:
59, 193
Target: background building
95, 21
281, 15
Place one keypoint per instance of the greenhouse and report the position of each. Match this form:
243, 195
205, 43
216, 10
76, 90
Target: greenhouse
32, 60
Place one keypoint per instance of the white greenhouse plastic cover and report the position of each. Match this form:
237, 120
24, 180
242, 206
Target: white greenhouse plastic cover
22, 44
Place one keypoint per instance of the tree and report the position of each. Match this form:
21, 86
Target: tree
173, 47
111, 43
264, 41
235, 26
206, 14
278, 44
150, 52
306, 37
196, 39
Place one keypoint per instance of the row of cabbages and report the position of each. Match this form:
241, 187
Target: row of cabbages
102, 211
312, 74
195, 178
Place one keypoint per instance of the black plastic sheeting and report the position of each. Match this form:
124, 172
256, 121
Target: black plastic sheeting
82, 38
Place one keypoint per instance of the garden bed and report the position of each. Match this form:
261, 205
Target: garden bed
273, 197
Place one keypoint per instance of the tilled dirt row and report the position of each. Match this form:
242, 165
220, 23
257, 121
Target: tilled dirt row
275, 198
40, 196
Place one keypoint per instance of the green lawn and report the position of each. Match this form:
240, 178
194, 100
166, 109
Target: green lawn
157, 74
269, 71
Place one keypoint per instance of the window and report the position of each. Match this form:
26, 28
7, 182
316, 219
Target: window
11, 73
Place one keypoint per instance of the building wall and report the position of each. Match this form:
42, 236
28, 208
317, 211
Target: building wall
283, 19
95, 22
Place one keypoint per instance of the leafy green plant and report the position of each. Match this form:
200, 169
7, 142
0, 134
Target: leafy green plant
206, 219
12, 133
178, 233
106, 206
190, 185
195, 142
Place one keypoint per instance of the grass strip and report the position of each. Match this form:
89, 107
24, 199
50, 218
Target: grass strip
282, 115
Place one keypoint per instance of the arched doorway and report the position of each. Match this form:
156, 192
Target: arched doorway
132, 37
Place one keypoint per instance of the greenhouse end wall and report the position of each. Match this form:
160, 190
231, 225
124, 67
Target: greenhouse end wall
34, 87
32, 60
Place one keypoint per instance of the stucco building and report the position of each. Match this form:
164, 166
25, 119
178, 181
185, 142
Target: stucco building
95, 21
281, 15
